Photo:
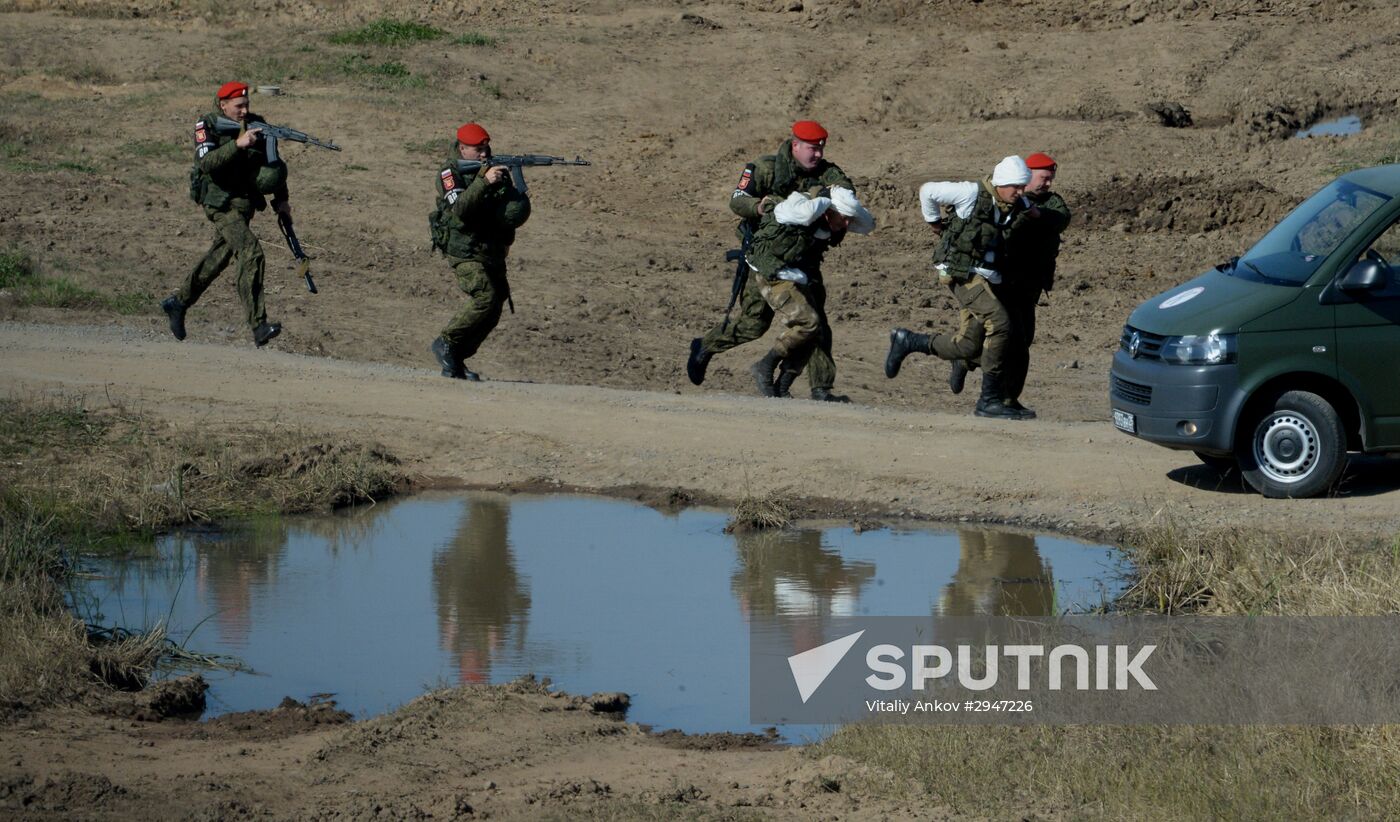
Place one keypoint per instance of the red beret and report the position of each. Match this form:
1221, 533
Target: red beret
809, 131
1040, 160
472, 134
231, 90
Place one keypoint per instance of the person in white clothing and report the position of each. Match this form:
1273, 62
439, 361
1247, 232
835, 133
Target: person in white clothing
968, 259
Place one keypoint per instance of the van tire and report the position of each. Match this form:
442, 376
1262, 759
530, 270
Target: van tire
1295, 448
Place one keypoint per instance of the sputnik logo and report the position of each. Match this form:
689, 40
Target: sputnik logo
811, 668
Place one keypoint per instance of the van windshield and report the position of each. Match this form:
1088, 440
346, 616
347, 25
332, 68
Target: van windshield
1293, 249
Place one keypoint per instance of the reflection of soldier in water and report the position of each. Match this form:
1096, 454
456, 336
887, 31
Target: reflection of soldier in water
228, 571
789, 574
480, 597
999, 574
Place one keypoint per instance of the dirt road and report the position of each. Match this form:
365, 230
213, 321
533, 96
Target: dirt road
1082, 477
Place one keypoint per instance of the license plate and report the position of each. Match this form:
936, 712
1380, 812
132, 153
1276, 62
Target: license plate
1124, 421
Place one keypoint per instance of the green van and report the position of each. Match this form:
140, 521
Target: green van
1282, 360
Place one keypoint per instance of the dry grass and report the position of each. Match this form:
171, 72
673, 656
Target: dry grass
1250, 572
114, 472
1179, 772
75, 480
759, 514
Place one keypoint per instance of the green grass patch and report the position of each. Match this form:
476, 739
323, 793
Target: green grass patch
356, 167
387, 32
493, 90
153, 150
388, 74
474, 38
19, 274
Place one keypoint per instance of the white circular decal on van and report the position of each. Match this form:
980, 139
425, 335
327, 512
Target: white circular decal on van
1188, 294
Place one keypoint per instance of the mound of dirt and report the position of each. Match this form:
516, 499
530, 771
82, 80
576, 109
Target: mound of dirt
287, 719
1142, 204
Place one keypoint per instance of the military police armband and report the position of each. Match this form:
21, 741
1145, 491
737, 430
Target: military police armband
202, 144
745, 186
450, 188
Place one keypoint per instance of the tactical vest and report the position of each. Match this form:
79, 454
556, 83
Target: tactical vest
236, 180
965, 242
779, 175
490, 236
777, 246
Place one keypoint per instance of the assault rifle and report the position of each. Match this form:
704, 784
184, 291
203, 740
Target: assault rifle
516, 162
303, 262
270, 135
741, 271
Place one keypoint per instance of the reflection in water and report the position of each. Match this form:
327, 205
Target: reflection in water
226, 573
481, 598
597, 594
789, 574
999, 574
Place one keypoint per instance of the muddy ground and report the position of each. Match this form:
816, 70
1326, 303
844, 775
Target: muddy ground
620, 265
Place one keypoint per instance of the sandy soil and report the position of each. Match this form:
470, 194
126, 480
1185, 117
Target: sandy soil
619, 267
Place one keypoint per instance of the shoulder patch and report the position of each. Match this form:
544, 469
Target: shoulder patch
448, 181
200, 135
745, 180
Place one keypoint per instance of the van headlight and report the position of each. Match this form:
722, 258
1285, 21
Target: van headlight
1200, 349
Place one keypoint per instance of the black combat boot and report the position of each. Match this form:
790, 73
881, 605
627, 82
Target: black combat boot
698, 362
990, 404
825, 395
468, 374
903, 342
783, 385
957, 378
762, 372
264, 333
1026, 413
175, 310
451, 365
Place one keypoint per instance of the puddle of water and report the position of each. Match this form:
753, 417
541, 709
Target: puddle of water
379, 605
1339, 127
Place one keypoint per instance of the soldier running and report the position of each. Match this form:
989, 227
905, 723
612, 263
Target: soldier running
231, 178
799, 165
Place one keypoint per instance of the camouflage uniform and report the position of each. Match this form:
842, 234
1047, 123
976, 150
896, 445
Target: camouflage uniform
474, 226
771, 179
777, 246
224, 181
986, 325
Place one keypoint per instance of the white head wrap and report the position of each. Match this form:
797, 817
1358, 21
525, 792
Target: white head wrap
1011, 171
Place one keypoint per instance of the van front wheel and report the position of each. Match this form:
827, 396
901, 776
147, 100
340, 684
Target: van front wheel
1295, 449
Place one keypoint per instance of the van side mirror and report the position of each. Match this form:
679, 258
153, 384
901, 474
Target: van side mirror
1364, 275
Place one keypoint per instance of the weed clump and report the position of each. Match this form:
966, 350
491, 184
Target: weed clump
759, 514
